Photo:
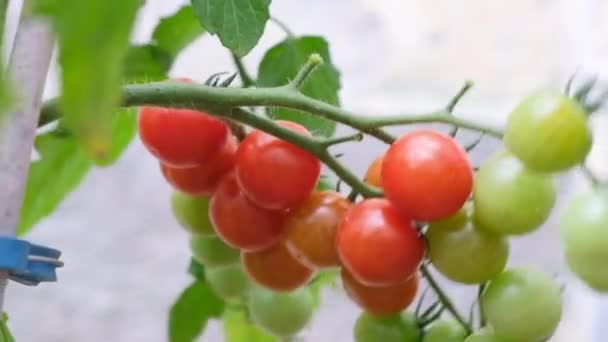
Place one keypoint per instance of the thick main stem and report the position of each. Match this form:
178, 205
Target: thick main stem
445, 300
29, 63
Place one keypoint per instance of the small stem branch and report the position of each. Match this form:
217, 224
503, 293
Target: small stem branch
339, 140
283, 27
243, 74
454, 101
314, 60
589, 174
482, 317
445, 300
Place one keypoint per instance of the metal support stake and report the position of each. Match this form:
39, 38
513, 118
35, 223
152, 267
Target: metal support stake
28, 68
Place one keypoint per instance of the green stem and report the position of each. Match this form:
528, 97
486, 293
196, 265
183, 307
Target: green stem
445, 300
339, 140
283, 27
313, 62
482, 317
243, 74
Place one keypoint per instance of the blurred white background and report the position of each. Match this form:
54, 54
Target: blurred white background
126, 257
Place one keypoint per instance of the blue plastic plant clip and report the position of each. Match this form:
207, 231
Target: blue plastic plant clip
27, 263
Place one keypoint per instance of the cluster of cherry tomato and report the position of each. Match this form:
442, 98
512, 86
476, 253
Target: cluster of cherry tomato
262, 229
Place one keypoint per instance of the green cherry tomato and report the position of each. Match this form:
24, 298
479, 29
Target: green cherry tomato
192, 213
212, 252
464, 253
484, 335
394, 328
509, 198
522, 304
590, 269
229, 282
445, 331
548, 132
584, 224
282, 314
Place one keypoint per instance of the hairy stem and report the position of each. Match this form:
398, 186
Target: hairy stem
445, 300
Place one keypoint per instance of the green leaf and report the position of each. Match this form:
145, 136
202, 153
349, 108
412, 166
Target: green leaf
146, 63
238, 23
282, 62
175, 32
188, 316
5, 334
196, 269
61, 167
326, 278
93, 40
237, 328
325, 183
123, 125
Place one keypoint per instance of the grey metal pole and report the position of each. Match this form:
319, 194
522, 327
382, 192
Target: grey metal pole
28, 67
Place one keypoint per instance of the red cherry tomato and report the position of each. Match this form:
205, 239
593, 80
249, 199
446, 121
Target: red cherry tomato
374, 172
275, 268
383, 300
181, 137
274, 173
202, 179
240, 223
310, 229
378, 245
427, 175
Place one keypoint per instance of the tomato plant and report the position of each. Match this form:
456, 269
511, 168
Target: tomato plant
310, 229
426, 175
464, 253
260, 185
181, 137
276, 269
394, 328
548, 132
378, 245
380, 300
526, 197
522, 304
281, 314
240, 223
273, 173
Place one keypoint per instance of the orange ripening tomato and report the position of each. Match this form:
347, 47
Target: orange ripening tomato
240, 223
427, 175
181, 137
310, 229
374, 171
276, 269
203, 179
378, 245
383, 300
273, 173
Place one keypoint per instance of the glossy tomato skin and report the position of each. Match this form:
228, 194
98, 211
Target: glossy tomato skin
484, 335
373, 175
203, 179
380, 300
276, 269
509, 198
281, 314
192, 213
584, 233
310, 229
180, 137
464, 253
228, 282
210, 251
548, 132
240, 223
401, 327
445, 331
522, 304
378, 245
273, 173
426, 175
